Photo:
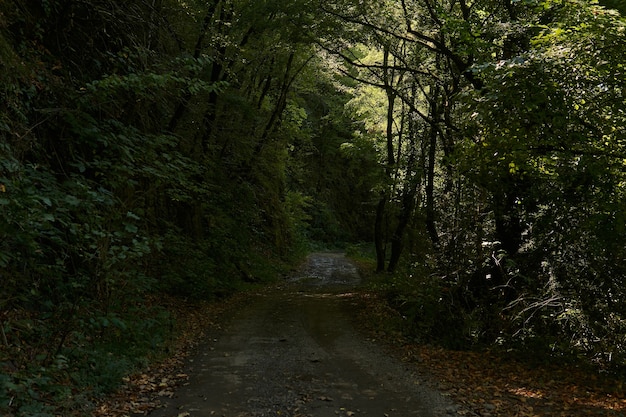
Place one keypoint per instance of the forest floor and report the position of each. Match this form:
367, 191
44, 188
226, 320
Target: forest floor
316, 346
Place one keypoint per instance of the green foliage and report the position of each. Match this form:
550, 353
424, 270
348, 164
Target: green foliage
196, 278
336, 159
143, 151
521, 185
556, 149
425, 305
102, 349
193, 149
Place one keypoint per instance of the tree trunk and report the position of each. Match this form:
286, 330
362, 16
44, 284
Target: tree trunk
182, 106
409, 192
430, 173
379, 238
508, 223
430, 189
408, 205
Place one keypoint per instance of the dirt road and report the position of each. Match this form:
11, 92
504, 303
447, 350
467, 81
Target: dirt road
294, 352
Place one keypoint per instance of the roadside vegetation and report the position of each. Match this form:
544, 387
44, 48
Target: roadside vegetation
159, 153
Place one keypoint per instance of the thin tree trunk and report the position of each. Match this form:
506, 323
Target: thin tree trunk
391, 100
409, 192
430, 189
397, 244
379, 239
280, 105
508, 223
183, 105
379, 229
217, 71
430, 173
275, 117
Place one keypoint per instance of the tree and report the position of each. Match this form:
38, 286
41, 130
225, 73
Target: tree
556, 147
144, 151
520, 156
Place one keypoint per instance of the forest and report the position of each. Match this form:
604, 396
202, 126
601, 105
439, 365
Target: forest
158, 152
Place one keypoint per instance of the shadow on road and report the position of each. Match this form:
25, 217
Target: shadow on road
294, 352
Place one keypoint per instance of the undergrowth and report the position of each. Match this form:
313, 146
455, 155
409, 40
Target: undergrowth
84, 358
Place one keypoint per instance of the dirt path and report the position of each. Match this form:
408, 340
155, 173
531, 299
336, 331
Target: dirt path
294, 352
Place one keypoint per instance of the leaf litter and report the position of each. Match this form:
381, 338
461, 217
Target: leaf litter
489, 384
142, 392
485, 384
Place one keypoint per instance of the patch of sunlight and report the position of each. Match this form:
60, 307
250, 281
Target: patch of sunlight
527, 392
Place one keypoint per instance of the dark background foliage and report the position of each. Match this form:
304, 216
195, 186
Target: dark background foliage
156, 149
